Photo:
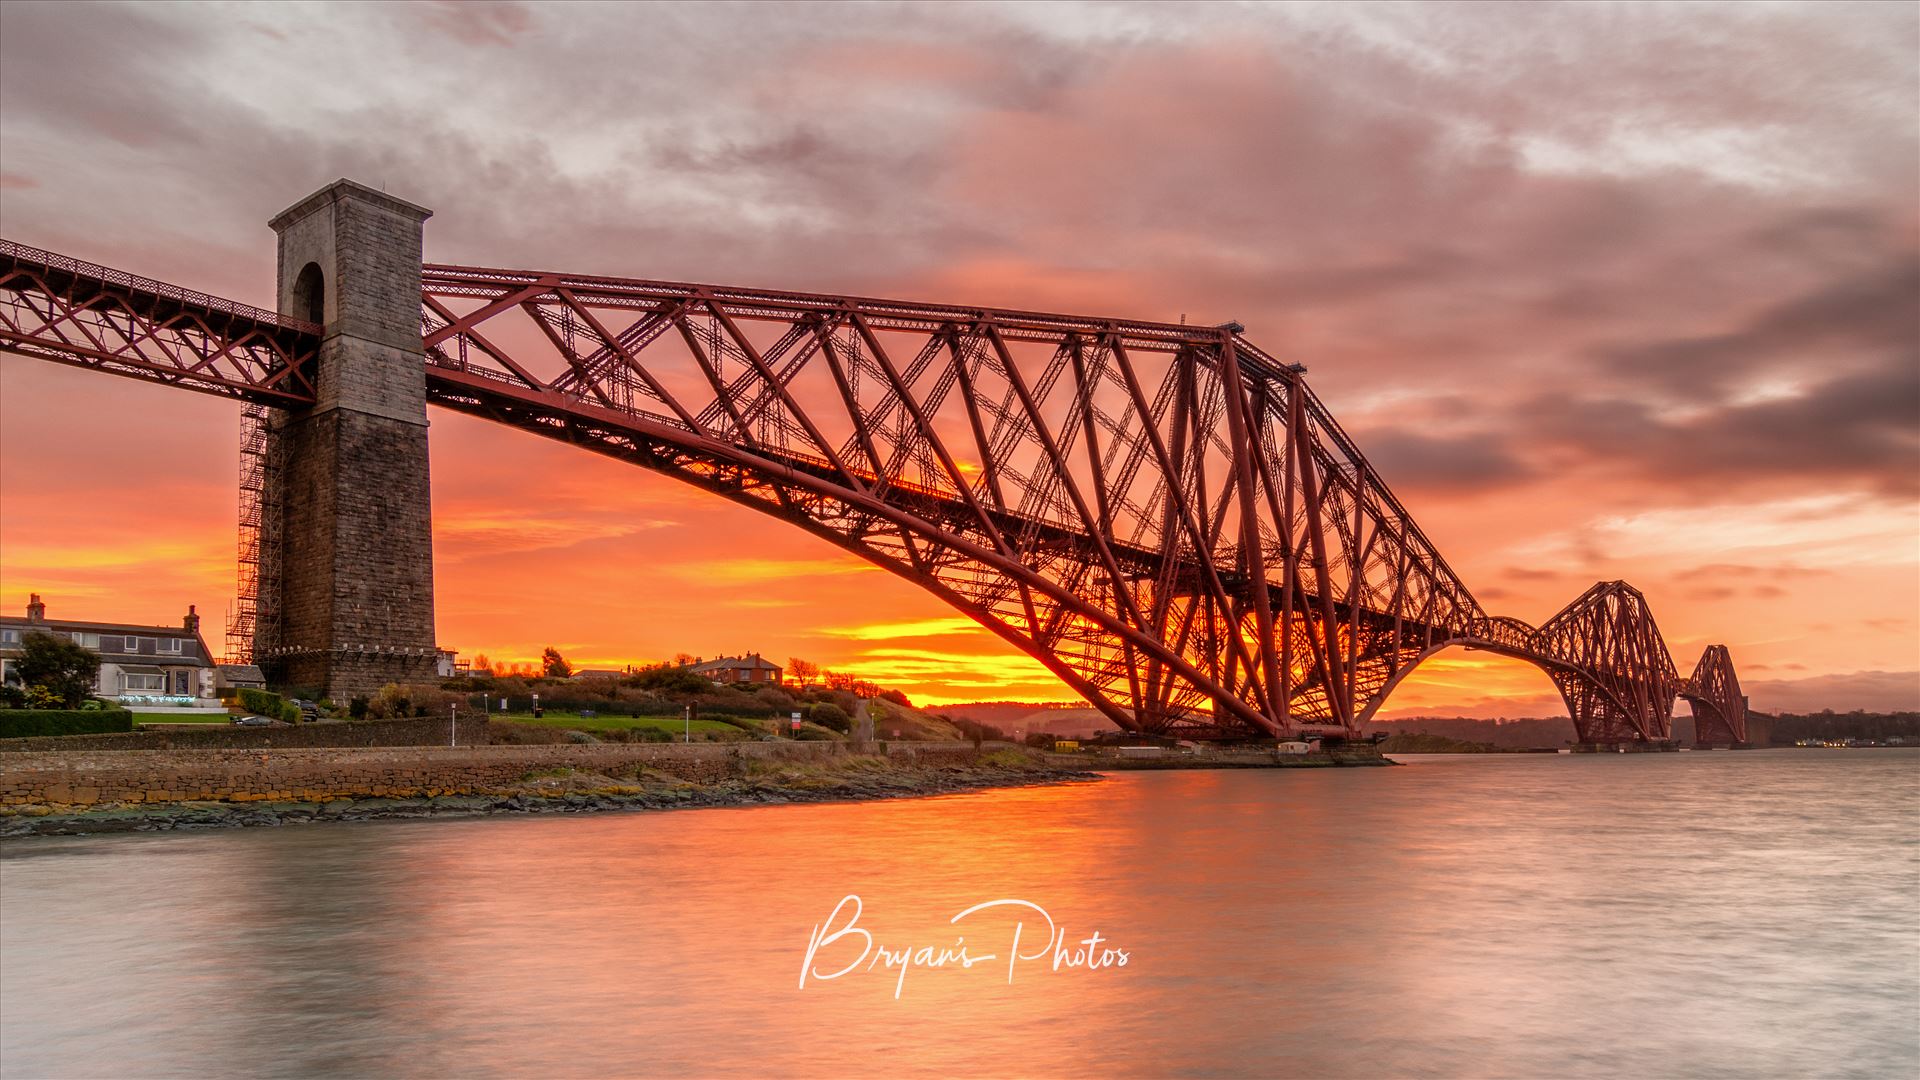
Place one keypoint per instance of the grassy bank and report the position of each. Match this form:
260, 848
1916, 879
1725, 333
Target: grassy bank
1408, 743
564, 789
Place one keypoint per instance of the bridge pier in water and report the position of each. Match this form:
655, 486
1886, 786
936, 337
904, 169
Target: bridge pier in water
347, 490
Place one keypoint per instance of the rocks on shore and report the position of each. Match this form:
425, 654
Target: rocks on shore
572, 794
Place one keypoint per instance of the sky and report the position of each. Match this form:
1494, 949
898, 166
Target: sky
1603, 291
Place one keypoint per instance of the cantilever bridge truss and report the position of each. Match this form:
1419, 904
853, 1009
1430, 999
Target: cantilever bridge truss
1163, 515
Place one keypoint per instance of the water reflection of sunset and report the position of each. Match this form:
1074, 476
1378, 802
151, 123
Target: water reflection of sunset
1461, 916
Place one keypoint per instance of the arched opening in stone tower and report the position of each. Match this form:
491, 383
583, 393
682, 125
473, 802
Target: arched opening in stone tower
310, 295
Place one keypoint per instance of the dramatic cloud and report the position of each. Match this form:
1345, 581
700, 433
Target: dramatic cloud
1604, 291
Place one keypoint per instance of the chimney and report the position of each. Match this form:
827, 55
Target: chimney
36, 611
192, 621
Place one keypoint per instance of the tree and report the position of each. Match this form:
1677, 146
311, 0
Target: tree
61, 667
480, 664
556, 665
802, 671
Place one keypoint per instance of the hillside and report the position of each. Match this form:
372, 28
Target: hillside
1070, 719
1410, 743
919, 725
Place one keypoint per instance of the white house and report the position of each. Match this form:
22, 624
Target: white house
139, 665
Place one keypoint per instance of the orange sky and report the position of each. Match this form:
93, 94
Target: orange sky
1655, 321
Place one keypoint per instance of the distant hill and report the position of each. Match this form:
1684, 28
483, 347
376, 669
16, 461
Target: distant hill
1407, 743
918, 724
1522, 733
1558, 731
1076, 719
1518, 734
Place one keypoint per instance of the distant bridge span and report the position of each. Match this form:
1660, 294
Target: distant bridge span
1164, 515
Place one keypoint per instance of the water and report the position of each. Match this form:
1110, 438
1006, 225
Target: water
1703, 914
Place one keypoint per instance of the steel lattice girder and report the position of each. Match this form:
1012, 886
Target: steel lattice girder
60, 309
1165, 516
1719, 709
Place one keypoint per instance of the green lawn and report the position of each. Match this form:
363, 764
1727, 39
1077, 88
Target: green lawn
573, 721
179, 718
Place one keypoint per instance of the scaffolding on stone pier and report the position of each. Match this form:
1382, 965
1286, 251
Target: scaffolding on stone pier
253, 622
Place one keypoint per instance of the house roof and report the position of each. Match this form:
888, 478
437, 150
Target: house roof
750, 662
94, 627
203, 659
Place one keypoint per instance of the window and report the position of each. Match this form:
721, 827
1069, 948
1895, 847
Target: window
142, 682
9, 637
91, 641
133, 644
170, 645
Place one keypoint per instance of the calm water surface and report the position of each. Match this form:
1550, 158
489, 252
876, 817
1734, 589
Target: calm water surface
1703, 914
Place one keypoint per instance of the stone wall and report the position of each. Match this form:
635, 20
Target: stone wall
419, 731
143, 776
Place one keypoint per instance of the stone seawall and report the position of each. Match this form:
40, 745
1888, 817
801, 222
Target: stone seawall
80, 779
417, 731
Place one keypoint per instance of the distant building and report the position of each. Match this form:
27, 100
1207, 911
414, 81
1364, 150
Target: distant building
599, 673
238, 677
750, 668
138, 664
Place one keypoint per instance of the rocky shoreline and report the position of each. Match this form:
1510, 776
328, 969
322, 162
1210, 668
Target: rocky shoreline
569, 794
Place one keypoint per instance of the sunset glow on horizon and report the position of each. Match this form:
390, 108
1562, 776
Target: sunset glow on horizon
1683, 351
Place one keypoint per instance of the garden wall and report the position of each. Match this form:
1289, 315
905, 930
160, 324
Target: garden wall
416, 731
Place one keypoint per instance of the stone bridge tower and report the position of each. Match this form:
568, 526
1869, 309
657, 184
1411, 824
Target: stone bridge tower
346, 489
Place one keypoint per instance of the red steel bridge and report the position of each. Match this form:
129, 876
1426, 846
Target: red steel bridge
1166, 516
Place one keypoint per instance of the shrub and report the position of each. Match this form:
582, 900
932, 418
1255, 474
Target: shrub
829, 715
290, 713
580, 737
673, 681
12, 696
396, 702
261, 702
357, 708
391, 703
23, 723
44, 698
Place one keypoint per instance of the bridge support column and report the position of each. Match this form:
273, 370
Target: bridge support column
351, 596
